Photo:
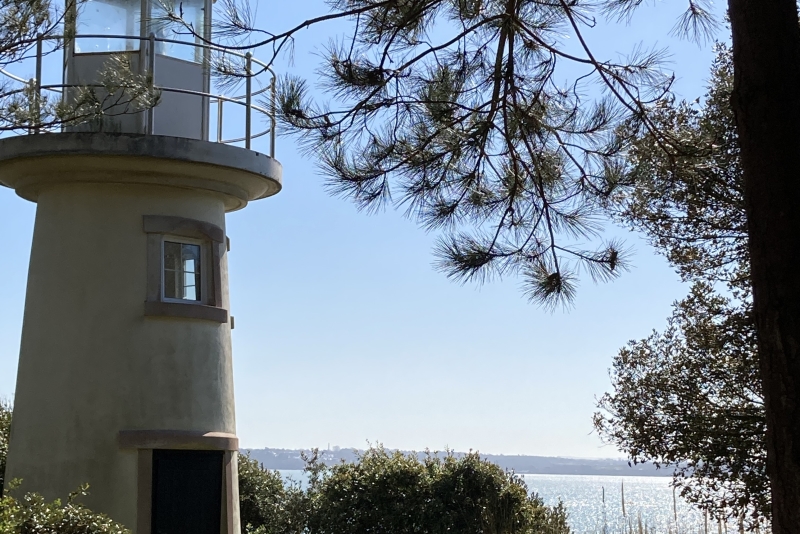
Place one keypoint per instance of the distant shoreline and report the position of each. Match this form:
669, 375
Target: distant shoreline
289, 459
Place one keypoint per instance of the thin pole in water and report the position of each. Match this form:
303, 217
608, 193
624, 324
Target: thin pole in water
674, 506
623, 498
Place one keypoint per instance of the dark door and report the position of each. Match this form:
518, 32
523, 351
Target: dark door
187, 492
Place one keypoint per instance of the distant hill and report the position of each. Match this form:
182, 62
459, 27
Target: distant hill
286, 459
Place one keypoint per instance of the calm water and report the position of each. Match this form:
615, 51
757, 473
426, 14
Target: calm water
648, 497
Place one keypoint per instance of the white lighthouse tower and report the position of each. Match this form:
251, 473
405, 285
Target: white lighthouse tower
125, 374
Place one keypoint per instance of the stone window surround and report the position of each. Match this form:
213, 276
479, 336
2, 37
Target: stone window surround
145, 441
157, 227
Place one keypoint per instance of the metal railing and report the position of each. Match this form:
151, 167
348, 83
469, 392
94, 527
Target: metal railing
213, 99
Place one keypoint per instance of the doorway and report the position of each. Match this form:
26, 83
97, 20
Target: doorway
187, 492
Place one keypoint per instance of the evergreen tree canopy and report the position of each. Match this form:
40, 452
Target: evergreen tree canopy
455, 111
690, 397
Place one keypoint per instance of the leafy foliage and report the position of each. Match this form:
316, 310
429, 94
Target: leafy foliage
266, 504
20, 22
33, 515
690, 397
5, 435
393, 492
691, 206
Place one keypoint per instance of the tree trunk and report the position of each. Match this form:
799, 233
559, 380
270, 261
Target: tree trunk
766, 101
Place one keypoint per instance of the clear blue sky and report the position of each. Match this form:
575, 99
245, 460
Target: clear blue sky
345, 333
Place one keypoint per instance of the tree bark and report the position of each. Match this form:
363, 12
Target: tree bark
766, 101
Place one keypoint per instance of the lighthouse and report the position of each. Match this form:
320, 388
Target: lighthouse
125, 377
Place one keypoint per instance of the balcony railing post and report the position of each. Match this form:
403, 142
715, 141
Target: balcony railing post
151, 66
219, 120
37, 98
272, 118
248, 99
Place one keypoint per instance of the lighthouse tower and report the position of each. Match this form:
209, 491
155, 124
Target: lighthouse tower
125, 372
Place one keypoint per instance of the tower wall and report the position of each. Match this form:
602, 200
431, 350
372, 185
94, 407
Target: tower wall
91, 363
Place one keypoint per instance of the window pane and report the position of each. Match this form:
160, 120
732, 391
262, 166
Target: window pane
182, 271
189, 293
172, 253
170, 289
108, 17
190, 257
193, 13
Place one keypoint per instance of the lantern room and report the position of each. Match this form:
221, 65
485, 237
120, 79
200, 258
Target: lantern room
175, 53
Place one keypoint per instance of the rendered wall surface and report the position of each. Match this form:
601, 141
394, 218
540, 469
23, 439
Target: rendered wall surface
91, 364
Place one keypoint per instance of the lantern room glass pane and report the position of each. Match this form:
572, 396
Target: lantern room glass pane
193, 13
108, 17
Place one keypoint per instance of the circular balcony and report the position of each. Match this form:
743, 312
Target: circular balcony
184, 140
186, 106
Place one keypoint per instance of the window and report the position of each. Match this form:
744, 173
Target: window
183, 271
193, 12
108, 17
184, 277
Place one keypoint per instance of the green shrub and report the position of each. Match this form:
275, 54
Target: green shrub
262, 498
5, 432
395, 493
401, 493
32, 515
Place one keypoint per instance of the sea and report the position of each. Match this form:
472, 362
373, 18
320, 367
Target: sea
594, 504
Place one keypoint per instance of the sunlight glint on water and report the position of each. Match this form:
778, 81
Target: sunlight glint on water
649, 496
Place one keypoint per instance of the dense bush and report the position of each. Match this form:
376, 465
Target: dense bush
395, 493
5, 431
266, 504
33, 515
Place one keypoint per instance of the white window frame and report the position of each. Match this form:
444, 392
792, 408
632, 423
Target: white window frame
205, 267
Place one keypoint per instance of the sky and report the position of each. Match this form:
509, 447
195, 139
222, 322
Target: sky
346, 335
